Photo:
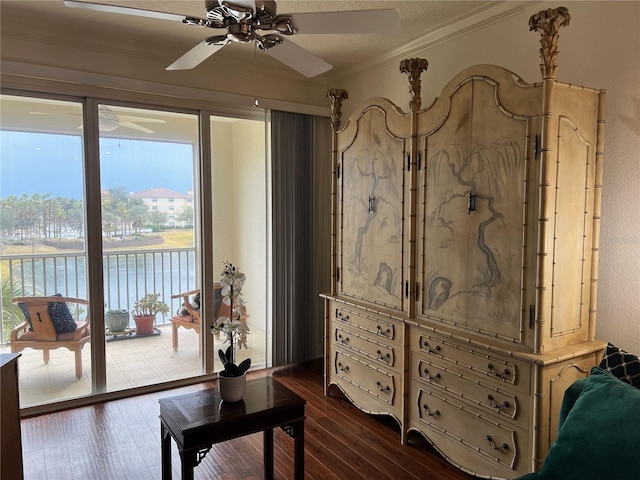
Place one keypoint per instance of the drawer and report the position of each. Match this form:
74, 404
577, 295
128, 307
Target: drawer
368, 380
375, 325
468, 426
361, 342
459, 382
490, 365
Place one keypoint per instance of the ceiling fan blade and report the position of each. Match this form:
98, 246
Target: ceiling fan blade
128, 118
358, 21
296, 57
199, 53
135, 126
97, 7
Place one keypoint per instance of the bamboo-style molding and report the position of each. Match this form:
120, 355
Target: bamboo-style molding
414, 67
548, 23
336, 96
597, 211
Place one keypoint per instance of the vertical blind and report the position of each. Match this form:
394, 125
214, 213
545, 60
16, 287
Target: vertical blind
301, 174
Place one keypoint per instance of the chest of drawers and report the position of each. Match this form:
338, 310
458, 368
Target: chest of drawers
365, 358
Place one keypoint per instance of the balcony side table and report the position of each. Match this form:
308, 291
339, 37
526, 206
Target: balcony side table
198, 420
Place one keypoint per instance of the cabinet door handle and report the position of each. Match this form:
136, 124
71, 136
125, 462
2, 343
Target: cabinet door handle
503, 448
472, 203
429, 377
429, 413
343, 340
492, 371
340, 316
497, 406
343, 368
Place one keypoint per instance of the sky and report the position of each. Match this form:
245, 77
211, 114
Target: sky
47, 163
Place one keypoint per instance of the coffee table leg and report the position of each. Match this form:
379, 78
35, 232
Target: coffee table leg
188, 463
268, 454
298, 445
165, 452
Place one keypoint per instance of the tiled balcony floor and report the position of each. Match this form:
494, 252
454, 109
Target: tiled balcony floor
133, 362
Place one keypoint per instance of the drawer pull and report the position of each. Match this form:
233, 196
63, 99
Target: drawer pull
340, 316
386, 389
343, 340
384, 358
426, 346
343, 368
429, 377
495, 405
492, 371
428, 412
384, 333
493, 445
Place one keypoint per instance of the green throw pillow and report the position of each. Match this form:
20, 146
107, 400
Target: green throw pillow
600, 436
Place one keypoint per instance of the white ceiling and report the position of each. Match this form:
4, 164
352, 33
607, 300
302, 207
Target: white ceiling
154, 37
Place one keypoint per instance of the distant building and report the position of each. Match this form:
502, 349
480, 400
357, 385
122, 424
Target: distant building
166, 201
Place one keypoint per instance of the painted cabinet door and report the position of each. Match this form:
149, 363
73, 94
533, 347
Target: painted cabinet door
372, 211
473, 197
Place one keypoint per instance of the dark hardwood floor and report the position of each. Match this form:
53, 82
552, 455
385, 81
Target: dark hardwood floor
121, 440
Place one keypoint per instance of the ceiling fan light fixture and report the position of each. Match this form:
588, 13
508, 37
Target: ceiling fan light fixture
240, 32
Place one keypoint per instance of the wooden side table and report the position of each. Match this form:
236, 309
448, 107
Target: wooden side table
198, 420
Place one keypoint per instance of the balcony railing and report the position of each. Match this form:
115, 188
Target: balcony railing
128, 275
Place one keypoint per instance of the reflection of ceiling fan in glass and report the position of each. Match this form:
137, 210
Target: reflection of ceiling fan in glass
256, 21
108, 121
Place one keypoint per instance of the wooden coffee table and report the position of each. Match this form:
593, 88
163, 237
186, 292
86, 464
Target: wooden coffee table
198, 420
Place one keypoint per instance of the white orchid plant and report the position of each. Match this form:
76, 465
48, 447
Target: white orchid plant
233, 328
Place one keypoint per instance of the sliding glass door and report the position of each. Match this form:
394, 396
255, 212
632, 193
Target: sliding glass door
148, 160
42, 238
121, 193
240, 210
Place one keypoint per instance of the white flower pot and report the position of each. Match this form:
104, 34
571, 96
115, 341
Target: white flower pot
232, 388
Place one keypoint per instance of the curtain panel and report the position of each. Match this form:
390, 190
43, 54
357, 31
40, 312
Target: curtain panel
301, 176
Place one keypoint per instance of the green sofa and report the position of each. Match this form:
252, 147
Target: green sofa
599, 432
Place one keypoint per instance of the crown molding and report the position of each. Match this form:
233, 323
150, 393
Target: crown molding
442, 34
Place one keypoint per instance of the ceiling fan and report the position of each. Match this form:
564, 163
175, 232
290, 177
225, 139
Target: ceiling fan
246, 21
108, 121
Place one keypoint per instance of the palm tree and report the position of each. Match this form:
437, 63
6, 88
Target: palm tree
10, 312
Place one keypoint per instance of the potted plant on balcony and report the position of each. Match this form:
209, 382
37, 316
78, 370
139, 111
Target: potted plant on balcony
145, 310
232, 380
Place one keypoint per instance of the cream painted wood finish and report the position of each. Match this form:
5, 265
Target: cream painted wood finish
465, 255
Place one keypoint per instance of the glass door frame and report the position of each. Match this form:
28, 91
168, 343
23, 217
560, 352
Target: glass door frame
207, 271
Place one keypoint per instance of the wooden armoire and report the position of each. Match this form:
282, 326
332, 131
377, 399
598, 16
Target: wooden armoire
465, 258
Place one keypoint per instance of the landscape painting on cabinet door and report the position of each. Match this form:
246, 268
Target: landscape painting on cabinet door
475, 201
372, 192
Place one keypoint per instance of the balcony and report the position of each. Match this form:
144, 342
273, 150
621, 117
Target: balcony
40, 383
130, 361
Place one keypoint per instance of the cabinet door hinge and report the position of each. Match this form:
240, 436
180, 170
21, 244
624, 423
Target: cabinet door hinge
532, 316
